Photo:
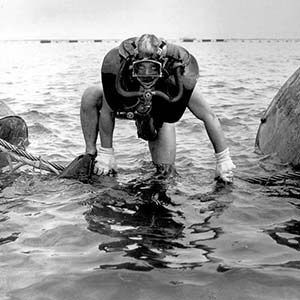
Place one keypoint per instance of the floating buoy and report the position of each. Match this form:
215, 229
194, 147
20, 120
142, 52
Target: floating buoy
279, 130
13, 142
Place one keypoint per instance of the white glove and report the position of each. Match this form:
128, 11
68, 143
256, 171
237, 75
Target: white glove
105, 161
224, 166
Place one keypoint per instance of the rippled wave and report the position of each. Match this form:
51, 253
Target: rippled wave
136, 229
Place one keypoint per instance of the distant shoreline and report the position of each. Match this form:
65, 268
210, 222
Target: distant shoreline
187, 40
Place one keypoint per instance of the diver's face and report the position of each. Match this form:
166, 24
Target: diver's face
147, 71
148, 68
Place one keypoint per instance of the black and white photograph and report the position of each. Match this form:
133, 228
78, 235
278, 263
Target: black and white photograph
149, 150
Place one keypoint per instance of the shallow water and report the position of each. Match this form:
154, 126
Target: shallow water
137, 236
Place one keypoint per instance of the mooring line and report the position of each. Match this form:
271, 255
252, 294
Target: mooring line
29, 159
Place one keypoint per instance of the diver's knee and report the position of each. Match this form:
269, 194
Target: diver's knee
92, 96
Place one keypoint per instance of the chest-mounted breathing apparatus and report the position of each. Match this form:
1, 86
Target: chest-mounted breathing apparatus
147, 71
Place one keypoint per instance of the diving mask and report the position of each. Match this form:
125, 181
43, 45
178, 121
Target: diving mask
147, 71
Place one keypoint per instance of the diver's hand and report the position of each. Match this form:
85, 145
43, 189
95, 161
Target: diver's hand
224, 166
105, 162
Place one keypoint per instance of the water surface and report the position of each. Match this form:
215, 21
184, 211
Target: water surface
137, 236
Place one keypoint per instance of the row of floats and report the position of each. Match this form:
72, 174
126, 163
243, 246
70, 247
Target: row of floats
184, 40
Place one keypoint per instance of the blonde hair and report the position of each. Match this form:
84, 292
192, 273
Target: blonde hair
147, 45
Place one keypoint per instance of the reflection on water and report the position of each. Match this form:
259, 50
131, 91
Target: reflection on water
148, 226
287, 234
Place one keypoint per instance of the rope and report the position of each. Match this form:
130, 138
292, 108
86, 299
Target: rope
29, 159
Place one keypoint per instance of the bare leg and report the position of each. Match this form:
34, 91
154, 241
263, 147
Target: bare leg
163, 149
91, 103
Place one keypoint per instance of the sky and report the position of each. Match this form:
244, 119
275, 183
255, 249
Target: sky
117, 19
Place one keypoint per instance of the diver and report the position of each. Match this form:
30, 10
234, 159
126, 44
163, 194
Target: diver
150, 81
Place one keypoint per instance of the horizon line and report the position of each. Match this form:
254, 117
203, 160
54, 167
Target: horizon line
191, 39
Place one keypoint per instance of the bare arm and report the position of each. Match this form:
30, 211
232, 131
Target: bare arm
200, 108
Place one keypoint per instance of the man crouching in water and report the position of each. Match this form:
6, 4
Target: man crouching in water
150, 81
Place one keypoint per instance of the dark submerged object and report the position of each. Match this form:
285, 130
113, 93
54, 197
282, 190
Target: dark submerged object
279, 131
81, 168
